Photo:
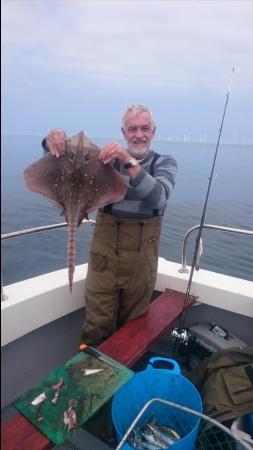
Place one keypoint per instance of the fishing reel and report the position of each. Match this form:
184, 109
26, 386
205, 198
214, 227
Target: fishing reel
182, 335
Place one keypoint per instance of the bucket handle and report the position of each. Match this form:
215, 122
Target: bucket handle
164, 363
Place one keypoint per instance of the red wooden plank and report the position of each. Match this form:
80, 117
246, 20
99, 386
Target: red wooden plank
128, 344
20, 434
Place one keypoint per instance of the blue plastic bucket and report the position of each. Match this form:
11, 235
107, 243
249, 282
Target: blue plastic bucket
166, 384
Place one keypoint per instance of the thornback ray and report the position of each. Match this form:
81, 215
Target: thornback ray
78, 183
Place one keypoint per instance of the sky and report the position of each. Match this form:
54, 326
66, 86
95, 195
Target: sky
78, 65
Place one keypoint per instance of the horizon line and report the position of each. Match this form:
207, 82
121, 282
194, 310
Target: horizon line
156, 139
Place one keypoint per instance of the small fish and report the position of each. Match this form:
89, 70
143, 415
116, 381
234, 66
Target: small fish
165, 433
87, 372
152, 438
136, 441
174, 433
70, 417
40, 419
55, 399
39, 399
148, 446
59, 384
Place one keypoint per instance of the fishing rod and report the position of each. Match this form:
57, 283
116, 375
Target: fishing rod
198, 240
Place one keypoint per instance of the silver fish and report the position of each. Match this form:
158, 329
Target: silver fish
148, 446
165, 433
174, 433
137, 439
134, 440
57, 387
55, 399
150, 436
87, 372
40, 419
39, 399
59, 384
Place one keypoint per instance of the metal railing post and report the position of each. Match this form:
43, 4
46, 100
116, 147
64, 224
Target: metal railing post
3, 296
183, 268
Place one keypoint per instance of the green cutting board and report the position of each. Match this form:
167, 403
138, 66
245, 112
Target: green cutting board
90, 392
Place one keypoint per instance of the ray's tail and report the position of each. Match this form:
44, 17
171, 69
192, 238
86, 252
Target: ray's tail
71, 252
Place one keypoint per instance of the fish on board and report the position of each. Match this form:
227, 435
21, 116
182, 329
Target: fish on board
70, 417
87, 372
39, 399
150, 436
166, 434
136, 440
78, 183
153, 436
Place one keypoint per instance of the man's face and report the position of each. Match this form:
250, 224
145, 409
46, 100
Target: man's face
138, 133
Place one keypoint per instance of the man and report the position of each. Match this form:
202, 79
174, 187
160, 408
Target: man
124, 251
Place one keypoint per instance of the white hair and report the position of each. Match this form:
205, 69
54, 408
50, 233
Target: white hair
137, 109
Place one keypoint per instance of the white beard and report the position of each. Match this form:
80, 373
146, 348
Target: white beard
138, 153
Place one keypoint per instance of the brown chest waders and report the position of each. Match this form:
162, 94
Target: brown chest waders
121, 273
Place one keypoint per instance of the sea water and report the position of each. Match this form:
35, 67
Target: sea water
230, 204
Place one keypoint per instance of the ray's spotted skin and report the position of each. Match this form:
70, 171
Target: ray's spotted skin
78, 183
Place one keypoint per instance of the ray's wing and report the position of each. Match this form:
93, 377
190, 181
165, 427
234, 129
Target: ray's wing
112, 188
43, 176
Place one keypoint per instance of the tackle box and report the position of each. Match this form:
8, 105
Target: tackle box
207, 338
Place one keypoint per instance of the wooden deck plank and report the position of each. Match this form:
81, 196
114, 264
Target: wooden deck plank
127, 345
132, 340
20, 434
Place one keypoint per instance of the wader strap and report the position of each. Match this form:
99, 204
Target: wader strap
152, 165
44, 145
108, 208
151, 171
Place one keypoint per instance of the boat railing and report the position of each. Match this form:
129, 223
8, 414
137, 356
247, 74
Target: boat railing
40, 229
183, 268
32, 231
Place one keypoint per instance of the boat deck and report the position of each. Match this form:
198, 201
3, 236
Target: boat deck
127, 345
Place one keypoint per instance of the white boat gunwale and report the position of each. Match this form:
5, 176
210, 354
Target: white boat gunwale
34, 302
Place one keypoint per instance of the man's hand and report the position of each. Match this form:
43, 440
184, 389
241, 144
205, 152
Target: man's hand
112, 151
56, 142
